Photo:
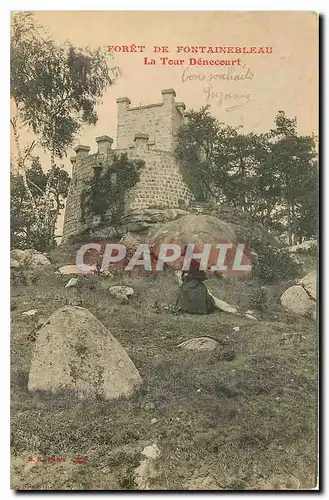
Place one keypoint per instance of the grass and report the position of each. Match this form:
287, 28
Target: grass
246, 420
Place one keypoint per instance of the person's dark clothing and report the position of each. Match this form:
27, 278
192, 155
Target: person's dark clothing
193, 294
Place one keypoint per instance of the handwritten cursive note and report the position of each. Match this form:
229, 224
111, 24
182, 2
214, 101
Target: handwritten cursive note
212, 86
230, 101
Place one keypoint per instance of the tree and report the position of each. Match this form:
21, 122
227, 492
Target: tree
28, 227
195, 149
271, 176
55, 90
294, 159
221, 163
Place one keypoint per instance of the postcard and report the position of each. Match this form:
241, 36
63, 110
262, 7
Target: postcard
164, 250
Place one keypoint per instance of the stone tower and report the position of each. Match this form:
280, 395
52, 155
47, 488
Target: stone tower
147, 133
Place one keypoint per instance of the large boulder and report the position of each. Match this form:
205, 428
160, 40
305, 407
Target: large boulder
28, 258
296, 300
198, 230
75, 353
309, 283
193, 228
245, 229
148, 222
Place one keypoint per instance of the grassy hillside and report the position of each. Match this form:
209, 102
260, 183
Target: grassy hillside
241, 417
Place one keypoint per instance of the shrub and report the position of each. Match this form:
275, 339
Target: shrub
273, 263
258, 299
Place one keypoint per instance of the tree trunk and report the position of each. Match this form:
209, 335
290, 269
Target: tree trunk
289, 225
242, 194
21, 166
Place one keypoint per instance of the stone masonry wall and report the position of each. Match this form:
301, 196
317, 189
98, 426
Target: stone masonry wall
161, 184
146, 133
82, 172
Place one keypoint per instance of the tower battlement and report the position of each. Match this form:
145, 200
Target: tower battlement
160, 121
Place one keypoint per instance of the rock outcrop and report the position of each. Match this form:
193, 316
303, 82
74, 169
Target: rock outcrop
141, 221
28, 258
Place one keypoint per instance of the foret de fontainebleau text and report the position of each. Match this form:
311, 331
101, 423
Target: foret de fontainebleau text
187, 51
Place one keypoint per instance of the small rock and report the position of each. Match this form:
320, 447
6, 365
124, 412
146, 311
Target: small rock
250, 316
236, 328
250, 311
223, 306
295, 259
39, 259
70, 269
14, 263
73, 282
40, 323
151, 451
31, 312
154, 420
73, 269
199, 344
178, 276
121, 292
145, 473
198, 390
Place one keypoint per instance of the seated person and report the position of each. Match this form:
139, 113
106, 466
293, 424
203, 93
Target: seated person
194, 297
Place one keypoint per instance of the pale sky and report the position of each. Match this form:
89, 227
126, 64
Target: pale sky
287, 79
